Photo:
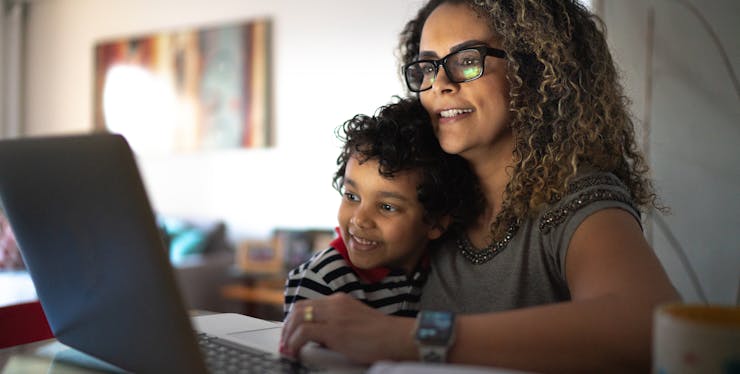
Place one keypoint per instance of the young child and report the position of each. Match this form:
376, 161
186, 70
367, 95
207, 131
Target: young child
400, 193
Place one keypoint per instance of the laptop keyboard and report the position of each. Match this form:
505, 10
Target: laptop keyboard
220, 357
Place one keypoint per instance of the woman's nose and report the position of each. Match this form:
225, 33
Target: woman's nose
442, 83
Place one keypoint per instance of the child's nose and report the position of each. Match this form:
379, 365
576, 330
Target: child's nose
361, 218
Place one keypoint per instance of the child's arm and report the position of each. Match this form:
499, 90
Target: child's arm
308, 281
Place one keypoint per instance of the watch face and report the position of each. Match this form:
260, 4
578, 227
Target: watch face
435, 328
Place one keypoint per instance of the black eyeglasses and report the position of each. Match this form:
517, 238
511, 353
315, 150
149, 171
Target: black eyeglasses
460, 66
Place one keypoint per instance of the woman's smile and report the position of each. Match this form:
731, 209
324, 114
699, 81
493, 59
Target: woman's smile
453, 115
450, 113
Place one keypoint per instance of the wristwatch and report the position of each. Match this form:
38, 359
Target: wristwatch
435, 334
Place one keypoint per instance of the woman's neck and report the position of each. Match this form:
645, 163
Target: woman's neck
493, 177
492, 167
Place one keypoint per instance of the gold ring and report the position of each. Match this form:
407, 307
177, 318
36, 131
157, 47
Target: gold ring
308, 314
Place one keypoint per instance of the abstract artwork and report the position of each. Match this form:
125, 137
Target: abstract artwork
189, 90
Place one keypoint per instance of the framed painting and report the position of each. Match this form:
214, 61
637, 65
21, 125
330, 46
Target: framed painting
187, 90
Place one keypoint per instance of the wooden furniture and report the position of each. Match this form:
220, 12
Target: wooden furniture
257, 294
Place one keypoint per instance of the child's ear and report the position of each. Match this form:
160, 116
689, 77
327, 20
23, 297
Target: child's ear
439, 227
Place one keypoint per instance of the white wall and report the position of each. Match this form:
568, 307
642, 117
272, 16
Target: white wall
694, 138
332, 60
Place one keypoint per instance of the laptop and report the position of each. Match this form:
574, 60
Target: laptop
87, 234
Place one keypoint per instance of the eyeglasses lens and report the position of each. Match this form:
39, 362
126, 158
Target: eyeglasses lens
420, 75
464, 65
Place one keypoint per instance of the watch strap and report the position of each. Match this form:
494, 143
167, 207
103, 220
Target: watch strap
431, 353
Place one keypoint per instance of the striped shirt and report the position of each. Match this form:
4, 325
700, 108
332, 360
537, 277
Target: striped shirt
330, 271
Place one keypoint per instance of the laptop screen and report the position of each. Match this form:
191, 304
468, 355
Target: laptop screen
88, 236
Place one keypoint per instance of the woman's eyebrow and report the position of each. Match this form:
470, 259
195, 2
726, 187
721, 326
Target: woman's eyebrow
454, 48
467, 44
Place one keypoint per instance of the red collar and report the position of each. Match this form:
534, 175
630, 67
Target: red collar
369, 275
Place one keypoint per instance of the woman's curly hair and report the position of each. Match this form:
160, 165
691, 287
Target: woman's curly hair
400, 137
568, 107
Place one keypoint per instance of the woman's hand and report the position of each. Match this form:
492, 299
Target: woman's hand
348, 326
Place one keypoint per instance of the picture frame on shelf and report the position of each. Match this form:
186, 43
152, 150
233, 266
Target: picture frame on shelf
258, 256
297, 246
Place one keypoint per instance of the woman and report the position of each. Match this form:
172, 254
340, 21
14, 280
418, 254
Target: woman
555, 275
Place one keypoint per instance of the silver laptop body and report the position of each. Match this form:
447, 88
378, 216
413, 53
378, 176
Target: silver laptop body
88, 236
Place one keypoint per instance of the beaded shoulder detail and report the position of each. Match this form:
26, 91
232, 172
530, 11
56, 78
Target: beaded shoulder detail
594, 180
481, 256
586, 195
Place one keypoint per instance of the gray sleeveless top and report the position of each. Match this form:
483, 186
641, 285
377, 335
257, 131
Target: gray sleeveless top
530, 269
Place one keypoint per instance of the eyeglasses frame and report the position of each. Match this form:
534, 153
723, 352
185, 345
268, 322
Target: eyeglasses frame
484, 50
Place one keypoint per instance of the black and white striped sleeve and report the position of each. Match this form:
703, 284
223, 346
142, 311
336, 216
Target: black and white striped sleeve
308, 281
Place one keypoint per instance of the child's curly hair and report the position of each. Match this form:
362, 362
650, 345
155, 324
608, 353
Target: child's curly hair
568, 107
400, 137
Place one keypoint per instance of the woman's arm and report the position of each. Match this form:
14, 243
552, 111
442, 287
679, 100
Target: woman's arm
615, 282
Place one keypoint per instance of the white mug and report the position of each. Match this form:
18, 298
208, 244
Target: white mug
694, 338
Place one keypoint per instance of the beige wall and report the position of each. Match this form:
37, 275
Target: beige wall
694, 121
